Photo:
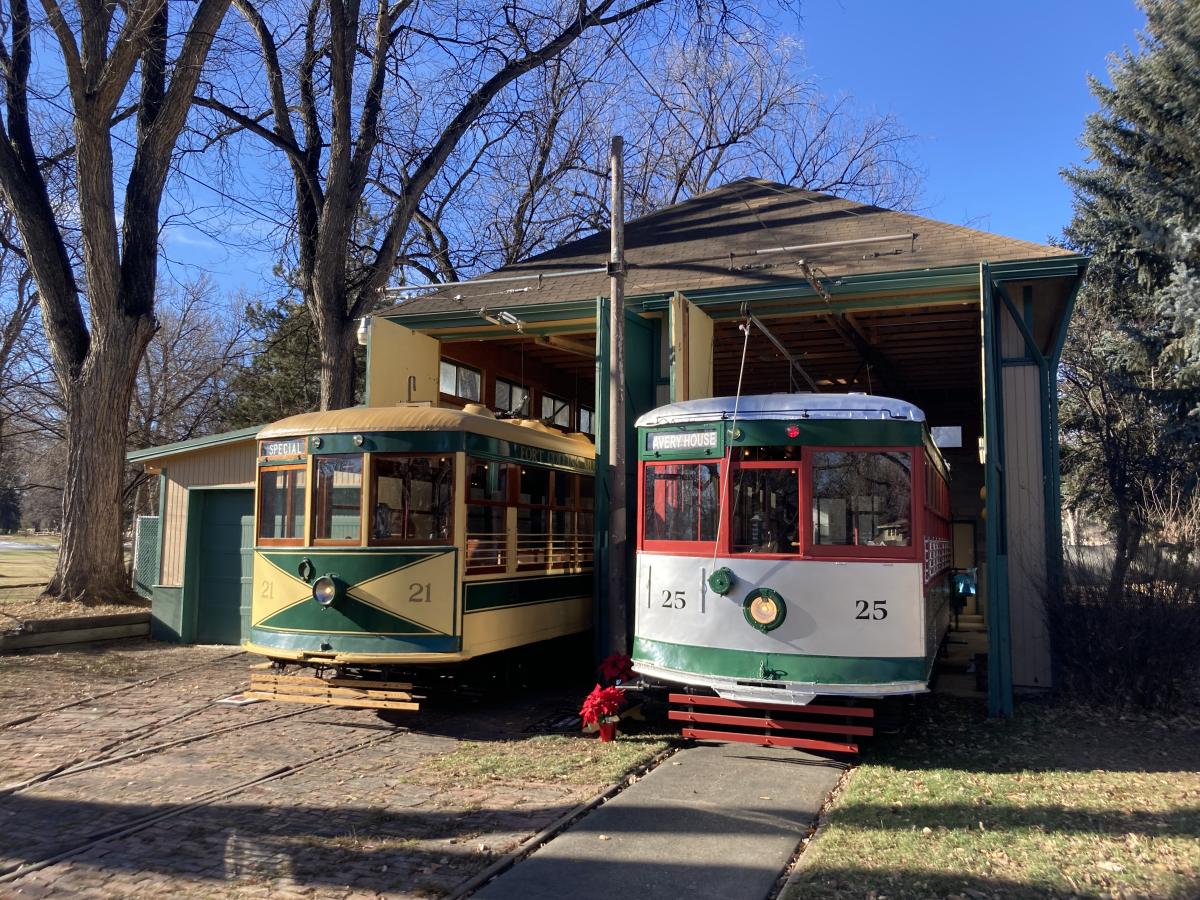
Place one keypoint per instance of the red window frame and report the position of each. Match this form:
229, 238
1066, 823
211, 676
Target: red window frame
916, 544
914, 552
726, 548
684, 548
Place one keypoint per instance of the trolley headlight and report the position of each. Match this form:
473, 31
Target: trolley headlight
325, 590
764, 609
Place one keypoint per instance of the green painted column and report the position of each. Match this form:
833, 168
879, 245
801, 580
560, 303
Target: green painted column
1000, 693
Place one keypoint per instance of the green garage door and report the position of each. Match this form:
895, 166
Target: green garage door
220, 581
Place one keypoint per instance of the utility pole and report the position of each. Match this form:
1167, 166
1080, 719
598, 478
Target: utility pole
617, 637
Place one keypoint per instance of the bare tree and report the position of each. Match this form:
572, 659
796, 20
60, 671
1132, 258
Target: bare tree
696, 114
98, 316
184, 373
17, 303
368, 104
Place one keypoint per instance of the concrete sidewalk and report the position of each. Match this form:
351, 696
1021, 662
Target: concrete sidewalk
711, 821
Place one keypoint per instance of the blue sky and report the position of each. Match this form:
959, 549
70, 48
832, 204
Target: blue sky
995, 93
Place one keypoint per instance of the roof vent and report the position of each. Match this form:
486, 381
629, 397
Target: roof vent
478, 409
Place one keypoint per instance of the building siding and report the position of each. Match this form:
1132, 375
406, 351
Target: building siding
230, 465
1025, 514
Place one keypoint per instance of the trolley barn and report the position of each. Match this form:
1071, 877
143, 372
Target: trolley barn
842, 297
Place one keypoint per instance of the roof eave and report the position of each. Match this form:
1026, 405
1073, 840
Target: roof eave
906, 281
201, 443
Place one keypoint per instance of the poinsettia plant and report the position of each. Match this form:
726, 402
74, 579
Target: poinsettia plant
601, 705
616, 669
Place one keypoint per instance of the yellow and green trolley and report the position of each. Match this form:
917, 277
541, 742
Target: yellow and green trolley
388, 538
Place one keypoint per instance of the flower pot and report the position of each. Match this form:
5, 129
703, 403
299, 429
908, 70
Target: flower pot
608, 731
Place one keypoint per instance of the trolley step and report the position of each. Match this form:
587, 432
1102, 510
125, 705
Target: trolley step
763, 724
350, 692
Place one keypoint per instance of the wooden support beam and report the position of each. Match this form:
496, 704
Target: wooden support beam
849, 331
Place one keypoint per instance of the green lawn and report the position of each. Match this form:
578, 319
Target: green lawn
1056, 801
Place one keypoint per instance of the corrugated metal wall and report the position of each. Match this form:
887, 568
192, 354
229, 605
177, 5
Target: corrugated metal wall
231, 465
1026, 512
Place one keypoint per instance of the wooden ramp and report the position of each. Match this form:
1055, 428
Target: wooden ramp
772, 724
353, 692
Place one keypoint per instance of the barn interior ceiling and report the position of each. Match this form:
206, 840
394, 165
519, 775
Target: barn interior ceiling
928, 355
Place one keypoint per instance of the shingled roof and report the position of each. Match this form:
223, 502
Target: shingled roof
711, 241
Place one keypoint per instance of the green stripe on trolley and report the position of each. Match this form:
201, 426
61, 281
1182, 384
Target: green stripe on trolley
757, 666
348, 615
364, 643
481, 595
353, 565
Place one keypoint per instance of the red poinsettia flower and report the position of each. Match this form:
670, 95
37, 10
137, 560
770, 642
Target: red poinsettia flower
602, 704
617, 668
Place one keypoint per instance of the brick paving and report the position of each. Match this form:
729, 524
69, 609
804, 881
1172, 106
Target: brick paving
345, 816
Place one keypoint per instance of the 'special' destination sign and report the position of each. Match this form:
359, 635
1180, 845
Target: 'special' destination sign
670, 441
285, 447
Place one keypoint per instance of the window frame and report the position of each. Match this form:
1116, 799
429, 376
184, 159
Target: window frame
914, 550
297, 541
563, 404
458, 368
726, 548
548, 508
511, 385
685, 548
506, 504
364, 475
372, 491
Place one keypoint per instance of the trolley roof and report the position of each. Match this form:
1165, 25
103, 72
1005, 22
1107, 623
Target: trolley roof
784, 406
530, 432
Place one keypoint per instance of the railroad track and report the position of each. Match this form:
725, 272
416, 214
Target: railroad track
111, 753
15, 872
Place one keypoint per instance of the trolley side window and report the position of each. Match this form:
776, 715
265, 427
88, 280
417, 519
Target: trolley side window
281, 492
766, 510
585, 521
680, 502
337, 499
413, 499
487, 516
862, 498
533, 517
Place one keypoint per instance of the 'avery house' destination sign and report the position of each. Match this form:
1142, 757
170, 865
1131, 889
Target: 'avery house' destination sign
660, 441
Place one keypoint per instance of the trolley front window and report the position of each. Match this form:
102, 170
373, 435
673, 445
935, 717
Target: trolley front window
412, 498
680, 502
766, 510
281, 505
337, 499
862, 498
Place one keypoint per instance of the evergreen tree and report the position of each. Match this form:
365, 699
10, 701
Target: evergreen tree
1131, 376
283, 376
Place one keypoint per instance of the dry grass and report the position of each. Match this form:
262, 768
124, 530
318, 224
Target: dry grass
1058, 801
26, 563
566, 759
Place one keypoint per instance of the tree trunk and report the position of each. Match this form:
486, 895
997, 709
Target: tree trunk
91, 565
335, 337
1128, 540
